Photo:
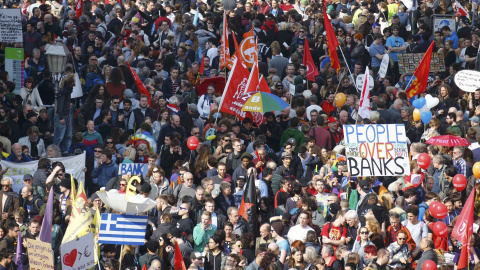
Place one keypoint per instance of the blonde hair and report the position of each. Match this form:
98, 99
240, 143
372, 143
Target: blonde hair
373, 226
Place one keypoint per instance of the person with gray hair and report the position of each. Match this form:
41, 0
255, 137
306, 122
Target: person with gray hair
399, 208
353, 224
328, 255
225, 199
416, 149
458, 162
427, 246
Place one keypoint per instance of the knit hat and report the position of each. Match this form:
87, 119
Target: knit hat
146, 188
31, 114
128, 93
175, 232
152, 245
278, 227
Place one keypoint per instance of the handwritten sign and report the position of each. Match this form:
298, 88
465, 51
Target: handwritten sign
384, 66
376, 150
11, 25
79, 253
360, 80
468, 80
14, 65
133, 169
40, 255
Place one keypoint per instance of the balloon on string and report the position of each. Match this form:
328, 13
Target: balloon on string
424, 109
192, 143
439, 210
431, 101
440, 229
419, 103
340, 99
416, 115
426, 117
424, 160
476, 169
429, 265
459, 182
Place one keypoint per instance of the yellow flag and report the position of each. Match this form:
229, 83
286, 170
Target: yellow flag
73, 190
80, 219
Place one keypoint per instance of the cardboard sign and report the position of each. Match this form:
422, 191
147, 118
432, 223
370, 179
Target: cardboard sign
467, 80
11, 25
376, 150
79, 253
384, 66
40, 255
133, 169
360, 81
14, 65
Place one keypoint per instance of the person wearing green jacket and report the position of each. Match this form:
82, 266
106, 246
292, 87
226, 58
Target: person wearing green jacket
293, 132
454, 127
203, 231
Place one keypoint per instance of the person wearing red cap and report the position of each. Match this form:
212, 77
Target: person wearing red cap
335, 135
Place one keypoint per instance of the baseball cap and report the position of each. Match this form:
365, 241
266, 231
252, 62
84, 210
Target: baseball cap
291, 140
334, 208
30, 177
350, 25
286, 155
364, 185
279, 84
475, 119
196, 256
331, 119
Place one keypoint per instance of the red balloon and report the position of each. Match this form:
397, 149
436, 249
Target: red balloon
439, 210
429, 265
423, 160
440, 229
432, 205
192, 143
459, 182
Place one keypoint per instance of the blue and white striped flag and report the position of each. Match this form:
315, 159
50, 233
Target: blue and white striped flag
122, 229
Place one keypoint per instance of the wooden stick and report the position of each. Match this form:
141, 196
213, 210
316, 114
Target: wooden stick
121, 258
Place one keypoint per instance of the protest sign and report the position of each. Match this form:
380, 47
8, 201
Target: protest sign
40, 254
11, 25
16, 171
359, 82
376, 150
133, 169
14, 65
78, 253
467, 80
77, 89
384, 66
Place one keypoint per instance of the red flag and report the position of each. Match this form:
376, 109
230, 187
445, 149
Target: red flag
248, 206
235, 87
253, 82
178, 260
332, 40
420, 83
247, 48
139, 84
144, 267
461, 11
308, 62
464, 228
79, 9
225, 51
200, 70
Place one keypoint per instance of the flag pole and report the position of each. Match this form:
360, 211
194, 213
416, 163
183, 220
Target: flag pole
121, 258
348, 67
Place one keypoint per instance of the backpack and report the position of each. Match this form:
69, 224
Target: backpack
109, 37
91, 80
341, 229
57, 10
263, 50
269, 35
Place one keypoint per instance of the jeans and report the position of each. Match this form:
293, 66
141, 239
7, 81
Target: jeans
63, 134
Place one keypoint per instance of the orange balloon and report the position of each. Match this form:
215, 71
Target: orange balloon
476, 170
340, 99
416, 115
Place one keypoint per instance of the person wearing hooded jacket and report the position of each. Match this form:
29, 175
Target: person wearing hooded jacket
63, 125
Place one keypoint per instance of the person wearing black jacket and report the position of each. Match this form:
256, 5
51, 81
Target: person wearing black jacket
45, 89
272, 130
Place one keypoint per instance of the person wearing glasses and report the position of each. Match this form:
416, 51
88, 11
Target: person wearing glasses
394, 230
399, 251
360, 245
105, 170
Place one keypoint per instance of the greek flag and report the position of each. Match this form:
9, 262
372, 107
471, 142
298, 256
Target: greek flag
122, 229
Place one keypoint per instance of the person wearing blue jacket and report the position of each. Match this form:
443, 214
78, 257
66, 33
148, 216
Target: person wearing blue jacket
105, 170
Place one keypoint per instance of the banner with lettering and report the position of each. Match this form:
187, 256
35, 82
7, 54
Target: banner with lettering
376, 150
133, 169
16, 171
40, 254
11, 25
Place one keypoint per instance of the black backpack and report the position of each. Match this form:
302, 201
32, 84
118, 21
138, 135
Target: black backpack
268, 36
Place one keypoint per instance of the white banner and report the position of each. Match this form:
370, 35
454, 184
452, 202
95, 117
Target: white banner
11, 25
133, 169
376, 150
73, 165
79, 253
77, 89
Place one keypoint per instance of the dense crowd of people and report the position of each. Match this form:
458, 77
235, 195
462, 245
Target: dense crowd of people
310, 212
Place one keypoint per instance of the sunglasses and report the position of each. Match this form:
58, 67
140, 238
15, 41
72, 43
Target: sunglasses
140, 150
301, 31
363, 232
240, 246
401, 238
157, 171
97, 151
122, 185
182, 208
115, 102
109, 142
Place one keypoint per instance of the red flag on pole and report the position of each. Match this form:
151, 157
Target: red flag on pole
225, 51
235, 87
332, 40
139, 84
200, 70
420, 83
178, 260
463, 230
308, 62
248, 206
461, 11
253, 82
79, 9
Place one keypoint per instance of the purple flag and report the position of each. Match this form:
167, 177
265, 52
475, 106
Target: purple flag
46, 230
19, 256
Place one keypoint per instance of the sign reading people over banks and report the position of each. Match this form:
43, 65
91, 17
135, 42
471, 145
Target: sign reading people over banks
376, 150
